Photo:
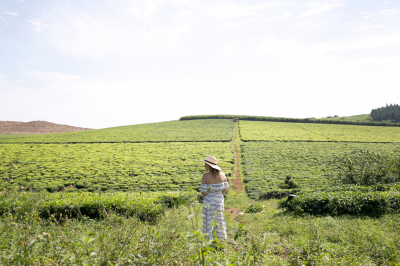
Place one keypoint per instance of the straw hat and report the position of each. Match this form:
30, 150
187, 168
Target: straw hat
211, 161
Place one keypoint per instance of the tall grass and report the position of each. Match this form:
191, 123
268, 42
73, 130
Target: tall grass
273, 237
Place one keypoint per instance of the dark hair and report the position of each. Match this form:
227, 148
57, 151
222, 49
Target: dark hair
214, 172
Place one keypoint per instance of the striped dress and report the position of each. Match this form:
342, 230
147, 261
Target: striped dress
213, 210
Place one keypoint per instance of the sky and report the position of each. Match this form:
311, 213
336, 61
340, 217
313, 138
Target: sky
106, 63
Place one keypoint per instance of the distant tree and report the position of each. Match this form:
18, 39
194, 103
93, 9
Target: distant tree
336, 116
388, 113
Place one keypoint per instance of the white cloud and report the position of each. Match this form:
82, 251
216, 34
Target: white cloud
284, 14
267, 5
52, 77
167, 36
230, 48
364, 27
11, 14
5, 21
307, 25
229, 10
37, 24
374, 42
318, 8
381, 13
287, 50
144, 8
231, 25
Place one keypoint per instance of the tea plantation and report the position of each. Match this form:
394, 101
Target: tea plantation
310, 164
120, 167
127, 195
200, 130
279, 131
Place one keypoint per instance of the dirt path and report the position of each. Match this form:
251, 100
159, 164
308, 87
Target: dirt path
236, 181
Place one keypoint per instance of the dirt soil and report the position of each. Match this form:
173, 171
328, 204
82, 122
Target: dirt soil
233, 212
236, 182
35, 127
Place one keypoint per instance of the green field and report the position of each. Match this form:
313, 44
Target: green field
118, 209
195, 130
266, 164
279, 131
362, 118
117, 166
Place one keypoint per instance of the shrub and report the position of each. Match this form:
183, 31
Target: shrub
277, 193
145, 206
254, 208
337, 203
288, 183
363, 167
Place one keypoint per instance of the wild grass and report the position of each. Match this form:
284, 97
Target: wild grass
273, 237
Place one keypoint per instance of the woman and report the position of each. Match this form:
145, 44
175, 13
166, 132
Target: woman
213, 187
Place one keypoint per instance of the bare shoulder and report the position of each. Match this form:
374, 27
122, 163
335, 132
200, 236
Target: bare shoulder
205, 178
223, 177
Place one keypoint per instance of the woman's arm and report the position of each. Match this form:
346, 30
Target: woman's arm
203, 181
223, 191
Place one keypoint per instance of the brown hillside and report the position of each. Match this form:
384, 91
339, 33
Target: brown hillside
35, 127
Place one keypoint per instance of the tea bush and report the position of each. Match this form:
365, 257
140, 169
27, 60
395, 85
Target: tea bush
350, 202
364, 167
145, 206
109, 167
254, 208
310, 164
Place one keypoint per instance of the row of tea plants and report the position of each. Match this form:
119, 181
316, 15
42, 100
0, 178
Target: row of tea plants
279, 131
309, 164
106, 167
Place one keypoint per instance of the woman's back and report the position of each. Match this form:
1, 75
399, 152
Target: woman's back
210, 179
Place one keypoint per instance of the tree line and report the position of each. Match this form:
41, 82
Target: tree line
390, 113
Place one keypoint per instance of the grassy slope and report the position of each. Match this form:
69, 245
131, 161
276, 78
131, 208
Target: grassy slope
272, 131
364, 117
199, 130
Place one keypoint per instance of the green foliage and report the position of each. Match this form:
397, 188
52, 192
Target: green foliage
202, 130
278, 131
353, 188
338, 203
277, 193
290, 120
109, 167
273, 237
388, 113
364, 167
254, 208
289, 183
361, 118
310, 164
145, 206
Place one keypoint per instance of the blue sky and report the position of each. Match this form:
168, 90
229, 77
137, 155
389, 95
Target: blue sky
108, 63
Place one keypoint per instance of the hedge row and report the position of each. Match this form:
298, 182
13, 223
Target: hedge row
353, 188
278, 193
292, 120
145, 206
352, 202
